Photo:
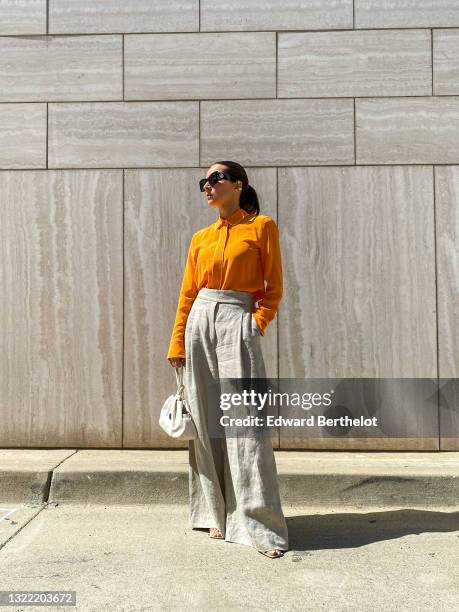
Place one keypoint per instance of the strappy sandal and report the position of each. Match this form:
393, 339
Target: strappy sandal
273, 553
215, 537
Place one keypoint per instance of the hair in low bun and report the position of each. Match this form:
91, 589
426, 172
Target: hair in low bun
249, 198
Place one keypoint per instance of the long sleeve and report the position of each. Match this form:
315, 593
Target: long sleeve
272, 272
188, 293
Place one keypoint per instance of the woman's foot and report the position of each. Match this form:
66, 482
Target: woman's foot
273, 553
215, 533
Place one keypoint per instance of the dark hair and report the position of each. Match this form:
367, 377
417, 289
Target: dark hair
249, 198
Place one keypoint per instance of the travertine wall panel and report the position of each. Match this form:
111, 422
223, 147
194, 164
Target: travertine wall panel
360, 272
332, 64
278, 132
185, 66
447, 232
22, 17
418, 130
61, 270
23, 135
122, 134
446, 62
83, 16
276, 15
406, 13
51, 68
360, 286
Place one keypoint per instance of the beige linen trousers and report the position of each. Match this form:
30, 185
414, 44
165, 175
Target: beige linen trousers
233, 481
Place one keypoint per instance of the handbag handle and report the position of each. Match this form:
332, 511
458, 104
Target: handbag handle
180, 386
179, 374
179, 379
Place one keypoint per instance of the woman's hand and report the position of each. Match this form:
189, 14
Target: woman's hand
177, 361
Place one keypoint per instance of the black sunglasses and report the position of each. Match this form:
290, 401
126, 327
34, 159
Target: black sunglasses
214, 178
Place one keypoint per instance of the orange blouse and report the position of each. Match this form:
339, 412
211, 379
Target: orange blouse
239, 253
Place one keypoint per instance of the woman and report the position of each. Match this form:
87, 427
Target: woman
217, 333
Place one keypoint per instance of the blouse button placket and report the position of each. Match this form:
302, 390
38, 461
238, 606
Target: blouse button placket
219, 255
218, 260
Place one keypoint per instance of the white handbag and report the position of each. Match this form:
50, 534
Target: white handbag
175, 418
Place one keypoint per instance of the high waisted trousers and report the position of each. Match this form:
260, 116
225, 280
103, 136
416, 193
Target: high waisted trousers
232, 479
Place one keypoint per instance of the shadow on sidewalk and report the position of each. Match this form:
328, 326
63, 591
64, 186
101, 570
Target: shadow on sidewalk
350, 530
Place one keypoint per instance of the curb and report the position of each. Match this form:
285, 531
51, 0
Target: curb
306, 478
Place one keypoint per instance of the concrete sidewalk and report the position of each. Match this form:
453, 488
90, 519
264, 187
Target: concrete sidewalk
308, 478
144, 558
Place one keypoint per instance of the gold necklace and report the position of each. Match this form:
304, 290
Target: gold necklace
244, 217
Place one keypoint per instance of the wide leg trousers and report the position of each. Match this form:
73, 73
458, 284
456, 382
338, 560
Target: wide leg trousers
233, 481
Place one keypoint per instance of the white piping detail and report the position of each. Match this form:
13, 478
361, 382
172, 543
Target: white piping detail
223, 253
215, 250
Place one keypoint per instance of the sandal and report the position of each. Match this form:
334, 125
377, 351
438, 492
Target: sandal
272, 553
215, 531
